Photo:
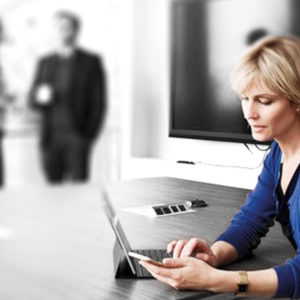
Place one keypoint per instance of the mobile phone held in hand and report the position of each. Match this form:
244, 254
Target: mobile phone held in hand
145, 258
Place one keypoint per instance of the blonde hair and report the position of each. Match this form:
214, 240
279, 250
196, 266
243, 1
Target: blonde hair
273, 62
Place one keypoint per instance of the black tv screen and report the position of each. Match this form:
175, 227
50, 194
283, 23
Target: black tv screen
207, 37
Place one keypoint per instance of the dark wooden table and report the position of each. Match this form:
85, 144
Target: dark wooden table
61, 247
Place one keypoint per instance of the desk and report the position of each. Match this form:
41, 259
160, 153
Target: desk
63, 244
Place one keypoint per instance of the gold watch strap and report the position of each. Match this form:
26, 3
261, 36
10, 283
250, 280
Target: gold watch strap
243, 277
243, 283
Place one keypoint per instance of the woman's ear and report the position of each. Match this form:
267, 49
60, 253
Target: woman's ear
296, 106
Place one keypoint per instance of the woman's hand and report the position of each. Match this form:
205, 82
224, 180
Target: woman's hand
193, 247
185, 273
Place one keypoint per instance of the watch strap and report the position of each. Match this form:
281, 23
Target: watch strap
243, 283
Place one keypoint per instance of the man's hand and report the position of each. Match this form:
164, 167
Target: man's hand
44, 94
198, 248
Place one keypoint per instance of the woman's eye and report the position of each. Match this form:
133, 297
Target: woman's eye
265, 102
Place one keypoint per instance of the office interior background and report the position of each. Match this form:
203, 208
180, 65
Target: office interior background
133, 38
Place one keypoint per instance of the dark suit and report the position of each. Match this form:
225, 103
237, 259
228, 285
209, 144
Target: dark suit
84, 102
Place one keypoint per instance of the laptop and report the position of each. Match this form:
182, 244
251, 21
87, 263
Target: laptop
136, 269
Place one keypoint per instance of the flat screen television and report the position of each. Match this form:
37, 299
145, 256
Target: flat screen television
207, 37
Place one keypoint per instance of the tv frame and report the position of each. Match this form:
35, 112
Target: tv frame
197, 134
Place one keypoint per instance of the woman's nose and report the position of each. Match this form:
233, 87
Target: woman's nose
250, 112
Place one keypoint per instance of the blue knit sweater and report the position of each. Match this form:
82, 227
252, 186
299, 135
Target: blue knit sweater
258, 214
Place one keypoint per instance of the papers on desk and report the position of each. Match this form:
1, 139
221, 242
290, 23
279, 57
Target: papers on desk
141, 210
161, 210
6, 233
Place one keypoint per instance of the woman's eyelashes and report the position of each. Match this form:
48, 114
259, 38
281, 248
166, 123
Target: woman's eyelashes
264, 101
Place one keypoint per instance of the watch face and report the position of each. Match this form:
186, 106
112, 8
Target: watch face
242, 288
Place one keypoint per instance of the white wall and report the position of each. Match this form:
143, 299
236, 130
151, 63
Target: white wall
149, 127
106, 30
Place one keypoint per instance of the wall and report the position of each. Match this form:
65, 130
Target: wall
149, 129
106, 30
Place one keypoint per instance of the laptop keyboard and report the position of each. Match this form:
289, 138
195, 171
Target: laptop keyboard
156, 254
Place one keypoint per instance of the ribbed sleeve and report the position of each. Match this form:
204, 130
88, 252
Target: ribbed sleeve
256, 215
289, 278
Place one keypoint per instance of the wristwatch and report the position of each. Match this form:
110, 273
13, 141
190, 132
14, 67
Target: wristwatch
243, 283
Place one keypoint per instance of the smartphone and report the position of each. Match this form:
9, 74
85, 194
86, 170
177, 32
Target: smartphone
145, 258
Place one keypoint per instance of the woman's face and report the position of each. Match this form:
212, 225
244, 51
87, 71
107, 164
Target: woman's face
270, 116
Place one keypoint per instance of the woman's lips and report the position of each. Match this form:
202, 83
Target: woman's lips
258, 128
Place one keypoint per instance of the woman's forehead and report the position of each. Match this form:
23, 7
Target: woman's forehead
257, 87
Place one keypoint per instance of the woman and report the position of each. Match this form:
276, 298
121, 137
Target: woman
267, 79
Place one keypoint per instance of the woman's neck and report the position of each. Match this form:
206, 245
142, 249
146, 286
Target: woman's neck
290, 142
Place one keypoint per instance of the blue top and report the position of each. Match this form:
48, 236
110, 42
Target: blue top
257, 215
283, 214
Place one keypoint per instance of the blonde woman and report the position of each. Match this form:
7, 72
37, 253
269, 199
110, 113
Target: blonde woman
267, 78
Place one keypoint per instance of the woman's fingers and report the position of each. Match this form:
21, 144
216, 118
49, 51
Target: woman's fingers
189, 247
169, 273
203, 256
164, 279
173, 263
165, 272
171, 246
204, 247
195, 245
178, 248
184, 248
208, 258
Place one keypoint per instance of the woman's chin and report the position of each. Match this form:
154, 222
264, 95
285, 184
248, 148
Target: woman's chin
261, 137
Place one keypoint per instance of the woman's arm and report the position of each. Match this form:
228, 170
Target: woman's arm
224, 253
191, 273
261, 283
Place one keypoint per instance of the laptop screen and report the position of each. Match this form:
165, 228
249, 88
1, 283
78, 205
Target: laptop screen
118, 230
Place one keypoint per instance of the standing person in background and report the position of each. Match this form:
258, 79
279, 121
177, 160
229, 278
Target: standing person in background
1, 113
4, 99
69, 92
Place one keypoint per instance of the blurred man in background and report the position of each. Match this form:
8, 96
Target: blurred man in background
2, 107
69, 92
5, 100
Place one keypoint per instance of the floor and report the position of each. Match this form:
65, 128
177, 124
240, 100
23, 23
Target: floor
22, 159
